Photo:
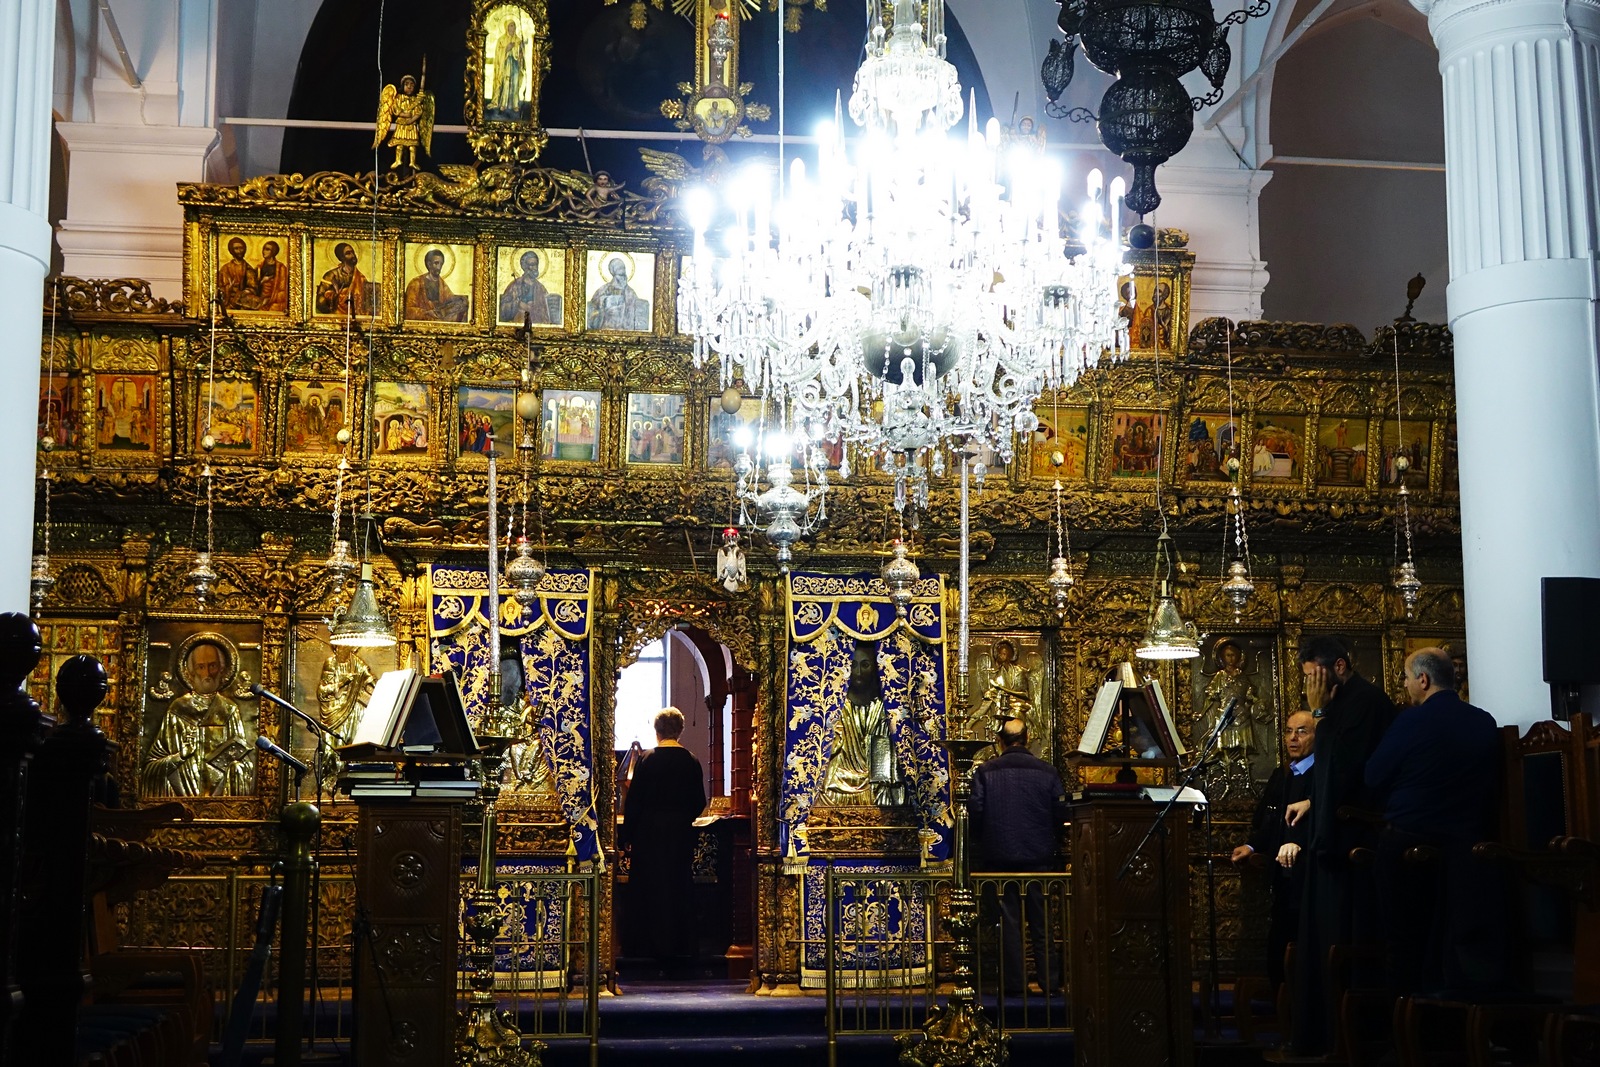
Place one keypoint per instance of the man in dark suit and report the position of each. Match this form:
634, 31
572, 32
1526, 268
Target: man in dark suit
667, 794
1352, 715
1018, 805
1437, 772
1279, 843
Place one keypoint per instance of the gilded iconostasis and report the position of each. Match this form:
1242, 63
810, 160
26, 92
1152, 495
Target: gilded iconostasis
369, 359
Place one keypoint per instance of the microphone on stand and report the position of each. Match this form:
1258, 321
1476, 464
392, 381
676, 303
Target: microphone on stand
271, 749
1216, 732
316, 727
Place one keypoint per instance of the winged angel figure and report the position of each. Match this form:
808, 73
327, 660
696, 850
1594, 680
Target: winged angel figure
409, 110
670, 173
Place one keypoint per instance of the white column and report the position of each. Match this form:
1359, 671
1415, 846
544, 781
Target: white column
1520, 96
27, 50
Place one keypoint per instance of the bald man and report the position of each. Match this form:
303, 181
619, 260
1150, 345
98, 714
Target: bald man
1437, 774
1280, 843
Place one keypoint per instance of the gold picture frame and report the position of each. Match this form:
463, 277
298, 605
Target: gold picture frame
508, 57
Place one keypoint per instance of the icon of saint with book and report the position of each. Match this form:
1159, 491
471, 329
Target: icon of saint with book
201, 748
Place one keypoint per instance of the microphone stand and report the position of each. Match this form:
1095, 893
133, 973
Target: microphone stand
1160, 826
319, 760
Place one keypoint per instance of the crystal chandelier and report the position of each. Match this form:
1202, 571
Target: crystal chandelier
914, 292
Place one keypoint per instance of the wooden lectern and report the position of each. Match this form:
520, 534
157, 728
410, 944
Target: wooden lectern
410, 788
1131, 999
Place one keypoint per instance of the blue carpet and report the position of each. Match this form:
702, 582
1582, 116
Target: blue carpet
715, 1023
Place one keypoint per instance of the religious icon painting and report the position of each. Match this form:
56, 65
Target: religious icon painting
1011, 675
1149, 307
617, 291
126, 412
486, 414
1208, 442
331, 684
344, 273
724, 443
569, 425
1237, 669
252, 273
1059, 445
1417, 448
508, 76
61, 409
438, 282
1136, 444
200, 720
401, 425
1341, 450
227, 411
314, 412
530, 283
507, 59
1277, 450
655, 428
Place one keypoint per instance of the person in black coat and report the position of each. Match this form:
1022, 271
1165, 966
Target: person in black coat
1018, 805
1335, 907
1281, 844
1438, 775
667, 794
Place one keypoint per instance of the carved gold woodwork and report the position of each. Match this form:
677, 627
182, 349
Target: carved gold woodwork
121, 544
508, 55
714, 104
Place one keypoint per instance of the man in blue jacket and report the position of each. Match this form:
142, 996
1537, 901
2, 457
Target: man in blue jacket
1437, 772
1018, 805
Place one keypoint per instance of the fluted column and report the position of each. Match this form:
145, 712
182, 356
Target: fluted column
1520, 98
27, 49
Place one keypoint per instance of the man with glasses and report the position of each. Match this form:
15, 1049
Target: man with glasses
1278, 842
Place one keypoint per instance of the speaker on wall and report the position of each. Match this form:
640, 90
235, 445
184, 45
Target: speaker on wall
1571, 630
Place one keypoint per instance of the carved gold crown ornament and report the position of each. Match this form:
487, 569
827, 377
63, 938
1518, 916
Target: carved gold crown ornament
715, 105
910, 293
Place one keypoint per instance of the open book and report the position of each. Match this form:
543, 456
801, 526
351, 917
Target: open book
1155, 734
380, 722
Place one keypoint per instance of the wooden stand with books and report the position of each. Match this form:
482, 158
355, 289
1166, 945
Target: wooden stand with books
1130, 728
1130, 961
408, 769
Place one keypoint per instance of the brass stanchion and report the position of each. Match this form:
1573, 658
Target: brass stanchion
298, 823
486, 1036
958, 1033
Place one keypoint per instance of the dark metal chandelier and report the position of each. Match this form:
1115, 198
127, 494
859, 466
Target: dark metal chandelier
1146, 116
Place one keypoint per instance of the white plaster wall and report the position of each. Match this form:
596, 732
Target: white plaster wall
1342, 242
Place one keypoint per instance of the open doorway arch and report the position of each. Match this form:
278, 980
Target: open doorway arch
718, 697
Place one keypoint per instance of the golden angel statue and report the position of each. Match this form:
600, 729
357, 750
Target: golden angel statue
409, 110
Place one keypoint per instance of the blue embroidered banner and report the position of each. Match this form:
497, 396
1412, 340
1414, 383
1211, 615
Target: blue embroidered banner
880, 921
828, 616
553, 636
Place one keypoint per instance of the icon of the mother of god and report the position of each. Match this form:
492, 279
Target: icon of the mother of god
506, 100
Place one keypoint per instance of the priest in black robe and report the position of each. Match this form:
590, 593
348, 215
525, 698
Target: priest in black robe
667, 794
1336, 908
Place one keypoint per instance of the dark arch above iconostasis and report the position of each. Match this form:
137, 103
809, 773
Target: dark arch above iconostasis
604, 75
